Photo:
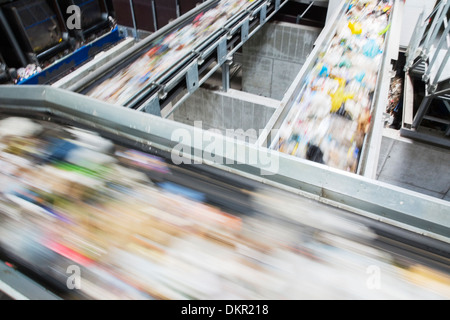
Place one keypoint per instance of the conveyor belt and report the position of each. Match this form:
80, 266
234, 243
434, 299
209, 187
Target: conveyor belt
331, 113
324, 236
184, 71
354, 224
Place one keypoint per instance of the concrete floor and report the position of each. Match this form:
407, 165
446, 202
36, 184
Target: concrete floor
413, 165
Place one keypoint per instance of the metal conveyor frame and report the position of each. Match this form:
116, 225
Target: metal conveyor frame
370, 153
422, 214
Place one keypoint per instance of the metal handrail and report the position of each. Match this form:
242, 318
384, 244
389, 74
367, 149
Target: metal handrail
422, 39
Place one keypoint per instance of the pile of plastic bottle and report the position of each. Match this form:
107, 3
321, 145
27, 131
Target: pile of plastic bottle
167, 51
332, 114
28, 71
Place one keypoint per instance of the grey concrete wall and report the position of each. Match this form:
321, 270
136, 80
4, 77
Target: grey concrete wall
272, 58
230, 110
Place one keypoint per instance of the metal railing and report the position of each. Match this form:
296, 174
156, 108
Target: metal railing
425, 35
426, 58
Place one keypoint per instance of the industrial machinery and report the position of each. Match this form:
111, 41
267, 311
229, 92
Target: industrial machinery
44, 41
426, 66
47, 40
103, 198
187, 65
